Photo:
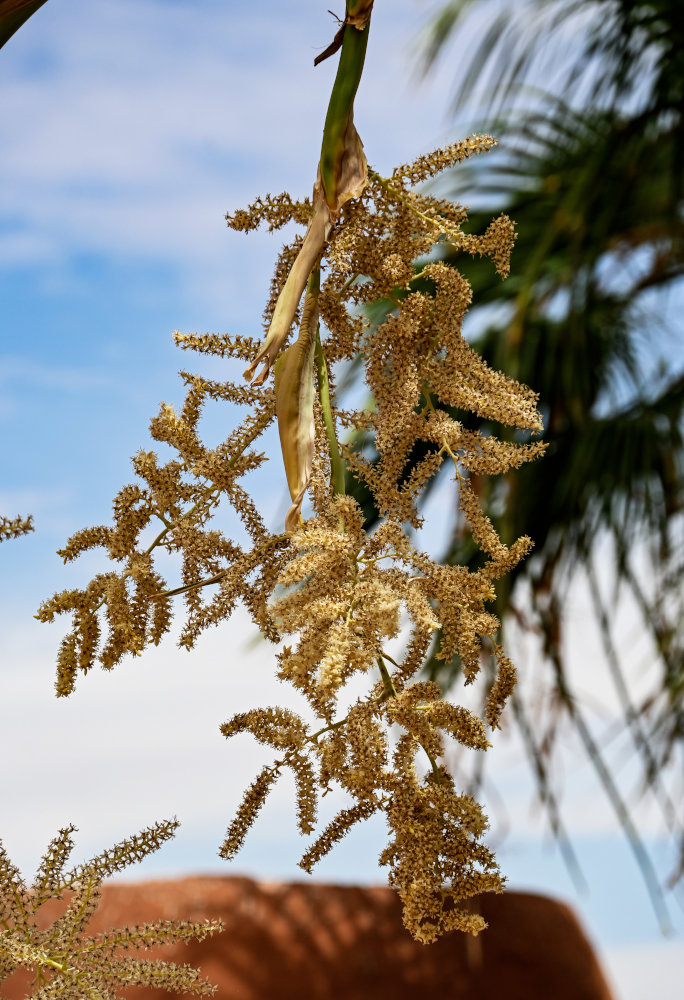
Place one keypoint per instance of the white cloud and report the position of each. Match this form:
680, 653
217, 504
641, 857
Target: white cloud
148, 122
142, 743
14, 501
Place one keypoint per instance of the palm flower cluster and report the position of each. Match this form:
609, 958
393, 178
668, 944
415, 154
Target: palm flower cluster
70, 964
13, 527
343, 593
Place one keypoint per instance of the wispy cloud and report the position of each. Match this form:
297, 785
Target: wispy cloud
32, 376
131, 127
145, 734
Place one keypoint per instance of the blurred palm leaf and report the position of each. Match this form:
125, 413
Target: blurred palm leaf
604, 52
595, 187
13, 13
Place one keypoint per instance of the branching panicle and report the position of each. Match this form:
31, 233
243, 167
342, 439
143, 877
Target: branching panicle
344, 595
66, 962
13, 527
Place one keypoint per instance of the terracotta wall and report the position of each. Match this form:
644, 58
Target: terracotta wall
319, 942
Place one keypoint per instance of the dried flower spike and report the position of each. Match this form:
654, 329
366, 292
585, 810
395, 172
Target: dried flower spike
13, 527
338, 594
67, 962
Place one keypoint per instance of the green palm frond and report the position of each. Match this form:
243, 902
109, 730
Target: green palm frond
594, 184
604, 52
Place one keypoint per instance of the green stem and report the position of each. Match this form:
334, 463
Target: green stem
336, 463
391, 691
313, 737
435, 768
60, 966
340, 108
386, 678
350, 281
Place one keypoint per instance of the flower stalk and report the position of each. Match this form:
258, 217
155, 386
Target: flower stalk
336, 592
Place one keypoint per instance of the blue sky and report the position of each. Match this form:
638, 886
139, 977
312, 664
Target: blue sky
128, 128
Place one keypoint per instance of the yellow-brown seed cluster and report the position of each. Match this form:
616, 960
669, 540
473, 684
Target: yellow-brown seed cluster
13, 527
180, 497
342, 593
347, 593
66, 961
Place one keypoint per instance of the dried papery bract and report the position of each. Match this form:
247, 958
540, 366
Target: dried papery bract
294, 389
67, 962
339, 595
